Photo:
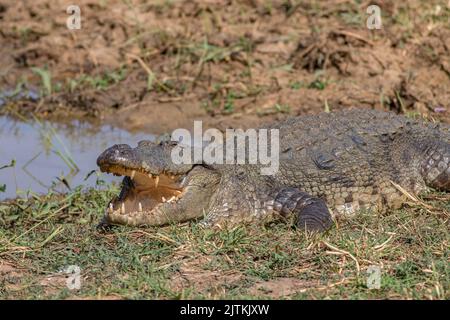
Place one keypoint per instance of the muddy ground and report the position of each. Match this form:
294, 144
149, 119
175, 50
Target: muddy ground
158, 65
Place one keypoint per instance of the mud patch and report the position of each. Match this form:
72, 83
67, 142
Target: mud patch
212, 283
10, 276
280, 287
230, 64
53, 283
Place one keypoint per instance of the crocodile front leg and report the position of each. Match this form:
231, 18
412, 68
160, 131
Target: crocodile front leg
309, 213
288, 204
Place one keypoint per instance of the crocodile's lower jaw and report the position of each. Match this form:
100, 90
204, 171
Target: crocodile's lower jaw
144, 193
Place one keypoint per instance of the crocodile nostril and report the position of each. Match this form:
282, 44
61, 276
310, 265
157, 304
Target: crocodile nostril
115, 154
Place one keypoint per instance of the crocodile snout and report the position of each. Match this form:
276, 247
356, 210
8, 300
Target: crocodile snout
121, 155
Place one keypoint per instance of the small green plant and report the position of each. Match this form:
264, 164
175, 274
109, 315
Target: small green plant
296, 85
229, 102
352, 18
46, 79
99, 82
150, 79
318, 84
24, 34
12, 164
282, 108
48, 133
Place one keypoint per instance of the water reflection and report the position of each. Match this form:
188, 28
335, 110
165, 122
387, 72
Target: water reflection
51, 156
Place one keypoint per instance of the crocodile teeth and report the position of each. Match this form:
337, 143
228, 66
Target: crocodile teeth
122, 208
140, 207
156, 181
132, 174
163, 199
111, 208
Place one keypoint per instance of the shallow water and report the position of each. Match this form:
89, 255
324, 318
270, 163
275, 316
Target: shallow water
51, 156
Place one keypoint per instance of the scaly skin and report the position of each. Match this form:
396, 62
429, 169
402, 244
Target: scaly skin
330, 164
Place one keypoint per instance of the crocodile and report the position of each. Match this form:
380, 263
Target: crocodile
330, 165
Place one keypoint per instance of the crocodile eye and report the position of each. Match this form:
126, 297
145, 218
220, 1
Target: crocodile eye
163, 139
240, 173
168, 143
145, 143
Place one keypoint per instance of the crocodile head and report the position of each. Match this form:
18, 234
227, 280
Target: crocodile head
155, 190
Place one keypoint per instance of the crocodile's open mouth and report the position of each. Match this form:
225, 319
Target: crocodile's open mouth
144, 192
156, 191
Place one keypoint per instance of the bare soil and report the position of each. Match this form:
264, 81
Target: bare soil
158, 65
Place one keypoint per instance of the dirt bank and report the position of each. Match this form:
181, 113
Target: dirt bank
157, 65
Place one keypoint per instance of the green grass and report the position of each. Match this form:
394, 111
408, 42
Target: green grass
98, 82
12, 164
43, 236
46, 80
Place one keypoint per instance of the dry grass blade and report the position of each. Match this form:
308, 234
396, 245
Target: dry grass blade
149, 72
412, 197
157, 236
343, 252
381, 246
